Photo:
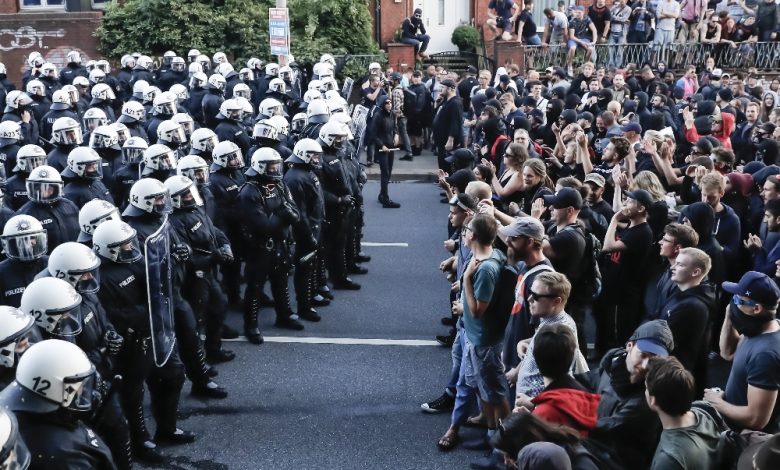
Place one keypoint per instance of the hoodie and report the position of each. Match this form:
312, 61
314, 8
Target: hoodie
723, 135
702, 220
688, 313
625, 423
565, 401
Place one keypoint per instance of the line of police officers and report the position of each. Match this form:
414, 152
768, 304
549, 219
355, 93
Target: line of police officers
160, 196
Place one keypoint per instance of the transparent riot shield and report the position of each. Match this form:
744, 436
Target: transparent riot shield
160, 292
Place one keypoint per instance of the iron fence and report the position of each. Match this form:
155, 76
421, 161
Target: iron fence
764, 56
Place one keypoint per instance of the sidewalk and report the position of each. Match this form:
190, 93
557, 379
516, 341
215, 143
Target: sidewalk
422, 168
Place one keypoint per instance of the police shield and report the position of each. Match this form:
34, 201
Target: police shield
160, 292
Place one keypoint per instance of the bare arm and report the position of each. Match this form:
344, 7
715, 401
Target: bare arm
756, 414
611, 243
476, 307
729, 339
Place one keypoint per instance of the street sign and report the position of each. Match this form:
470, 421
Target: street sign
279, 31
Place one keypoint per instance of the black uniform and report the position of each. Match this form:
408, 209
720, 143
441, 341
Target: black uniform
30, 131
154, 123
8, 157
124, 179
210, 104
168, 77
307, 194
58, 156
267, 211
225, 185
82, 190
16, 275
134, 127
47, 122
16, 191
71, 71
60, 219
234, 131
111, 163
196, 104
39, 107
140, 73
339, 206
123, 78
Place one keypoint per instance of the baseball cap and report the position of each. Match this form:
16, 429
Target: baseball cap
464, 201
587, 115
596, 179
559, 72
763, 455
523, 227
448, 82
768, 128
566, 197
472, 70
528, 101
641, 196
631, 126
537, 113
716, 74
504, 79
578, 8
755, 286
654, 337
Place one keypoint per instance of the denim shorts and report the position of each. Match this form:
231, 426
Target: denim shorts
485, 372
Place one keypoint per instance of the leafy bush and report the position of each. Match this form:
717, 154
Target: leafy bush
465, 37
239, 28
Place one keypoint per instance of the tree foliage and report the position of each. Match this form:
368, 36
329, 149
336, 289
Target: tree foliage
239, 28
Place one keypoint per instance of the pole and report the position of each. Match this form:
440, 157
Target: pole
282, 58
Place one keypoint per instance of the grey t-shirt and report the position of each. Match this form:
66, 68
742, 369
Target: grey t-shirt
687, 448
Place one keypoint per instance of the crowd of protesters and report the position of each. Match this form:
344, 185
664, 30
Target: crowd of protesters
638, 200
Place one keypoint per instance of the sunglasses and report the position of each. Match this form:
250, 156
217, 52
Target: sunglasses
535, 297
740, 301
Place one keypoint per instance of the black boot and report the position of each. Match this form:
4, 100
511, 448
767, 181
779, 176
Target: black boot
281, 293
251, 329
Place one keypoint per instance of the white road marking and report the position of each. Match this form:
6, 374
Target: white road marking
399, 245
350, 341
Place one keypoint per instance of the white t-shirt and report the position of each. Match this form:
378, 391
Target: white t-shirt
667, 24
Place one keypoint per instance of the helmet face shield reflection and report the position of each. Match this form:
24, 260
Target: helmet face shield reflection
44, 191
25, 247
234, 159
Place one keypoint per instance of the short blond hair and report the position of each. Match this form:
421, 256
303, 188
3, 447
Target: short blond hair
700, 259
711, 181
557, 284
479, 190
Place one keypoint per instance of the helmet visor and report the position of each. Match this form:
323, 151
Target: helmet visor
161, 203
122, 135
77, 392
234, 159
166, 161
71, 136
44, 191
17, 457
177, 136
243, 93
188, 127
64, 323
87, 282
199, 175
132, 154
188, 198
208, 144
166, 108
32, 162
25, 247
93, 170
128, 251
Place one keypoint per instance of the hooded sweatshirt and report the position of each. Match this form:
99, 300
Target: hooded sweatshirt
565, 401
688, 313
702, 219
729, 123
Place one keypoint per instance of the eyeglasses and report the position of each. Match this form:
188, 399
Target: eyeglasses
535, 297
740, 301
468, 227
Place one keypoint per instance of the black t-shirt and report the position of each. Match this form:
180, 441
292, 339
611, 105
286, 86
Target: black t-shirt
604, 208
529, 27
599, 17
622, 269
568, 244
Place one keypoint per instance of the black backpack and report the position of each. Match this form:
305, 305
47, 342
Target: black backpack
415, 102
591, 278
499, 309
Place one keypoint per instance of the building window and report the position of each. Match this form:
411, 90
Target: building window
31, 4
99, 4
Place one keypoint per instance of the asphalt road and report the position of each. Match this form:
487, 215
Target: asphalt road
305, 406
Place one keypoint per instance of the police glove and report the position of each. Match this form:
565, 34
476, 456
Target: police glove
346, 201
286, 213
227, 253
113, 342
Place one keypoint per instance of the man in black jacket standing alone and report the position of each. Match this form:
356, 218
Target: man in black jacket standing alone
385, 134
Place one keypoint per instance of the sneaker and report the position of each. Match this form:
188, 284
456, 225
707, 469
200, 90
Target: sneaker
407, 158
570, 71
309, 315
357, 269
147, 453
320, 301
362, 258
346, 284
289, 324
175, 438
444, 403
390, 204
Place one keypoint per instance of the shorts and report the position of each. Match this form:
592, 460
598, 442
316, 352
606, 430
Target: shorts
485, 372
573, 45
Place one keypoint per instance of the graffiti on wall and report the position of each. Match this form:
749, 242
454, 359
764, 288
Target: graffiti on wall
26, 37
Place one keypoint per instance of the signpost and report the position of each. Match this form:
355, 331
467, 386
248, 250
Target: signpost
279, 31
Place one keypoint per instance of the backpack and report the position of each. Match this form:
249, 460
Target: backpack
499, 309
415, 102
591, 280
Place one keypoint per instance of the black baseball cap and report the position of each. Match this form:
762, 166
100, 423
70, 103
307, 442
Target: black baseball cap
654, 337
472, 70
641, 196
566, 197
461, 154
448, 82
755, 286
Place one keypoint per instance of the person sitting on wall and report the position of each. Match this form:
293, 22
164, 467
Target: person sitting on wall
410, 35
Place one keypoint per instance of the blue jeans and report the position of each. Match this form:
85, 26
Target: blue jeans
532, 40
420, 42
465, 396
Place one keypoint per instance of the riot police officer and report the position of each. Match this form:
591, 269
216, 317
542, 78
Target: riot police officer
177, 73
225, 182
84, 173
17, 333
59, 216
132, 154
306, 192
104, 140
163, 110
142, 71
10, 143
60, 107
317, 114
268, 212
72, 69
171, 134
197, 88
133, 116
94, 213
24, 243
28, 158
202, 143
159, 162
40, 104
230, 127
66, 135
212, 100
51, 416
17, 109
201, 289
339, 203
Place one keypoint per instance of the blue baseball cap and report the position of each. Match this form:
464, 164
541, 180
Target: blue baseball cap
755, 286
